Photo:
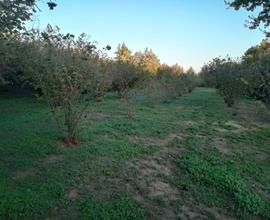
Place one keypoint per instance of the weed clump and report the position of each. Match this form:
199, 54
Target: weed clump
208, 170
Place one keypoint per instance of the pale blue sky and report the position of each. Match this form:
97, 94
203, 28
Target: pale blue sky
188, 32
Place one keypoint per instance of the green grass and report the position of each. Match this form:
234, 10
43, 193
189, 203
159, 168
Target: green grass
33, 186
221, 177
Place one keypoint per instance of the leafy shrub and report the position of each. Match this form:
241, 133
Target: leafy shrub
68, 72
249, 76
125, 78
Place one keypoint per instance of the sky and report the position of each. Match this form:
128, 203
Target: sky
188, 32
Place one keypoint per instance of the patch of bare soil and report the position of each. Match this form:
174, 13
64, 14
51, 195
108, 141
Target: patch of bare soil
187, 123
221, 145
236, 127
221, 130
53, 158
148, 181
156, 141
25, 173
151, 186
99, 115
189, 107
64, 142
164, 190
72, 194
191, 210
59, 213
186, 213
262, 156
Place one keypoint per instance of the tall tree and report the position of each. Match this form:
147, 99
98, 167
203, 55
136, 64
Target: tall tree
138, 59
191, 70
263, 17
151, 62
123, 54
177, 69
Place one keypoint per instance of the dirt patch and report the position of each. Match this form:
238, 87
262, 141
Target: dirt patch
25, 173
62, 213
156, 141
237, 127
72, 194
189, 211
161, 189
53, 158
217, 213
188, 107
221, 130
151, 183
186, 213
187, 123
64, 142
181, 107
93, 117
216, 127
150, 166
221, 145
262, 156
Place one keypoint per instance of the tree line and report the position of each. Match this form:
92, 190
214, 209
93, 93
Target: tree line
247, 76
71, 72
250, 75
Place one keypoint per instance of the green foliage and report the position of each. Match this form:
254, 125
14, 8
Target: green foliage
8, 68
118, 208
169, 82
125, 78
142, 71
14, 13
256, 68
126, 75
209, 72
229, 82
69, 72
249, 76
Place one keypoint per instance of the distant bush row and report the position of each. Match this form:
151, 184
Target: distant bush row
69, 72
249, 76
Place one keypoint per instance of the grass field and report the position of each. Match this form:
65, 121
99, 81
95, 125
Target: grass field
191, 158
